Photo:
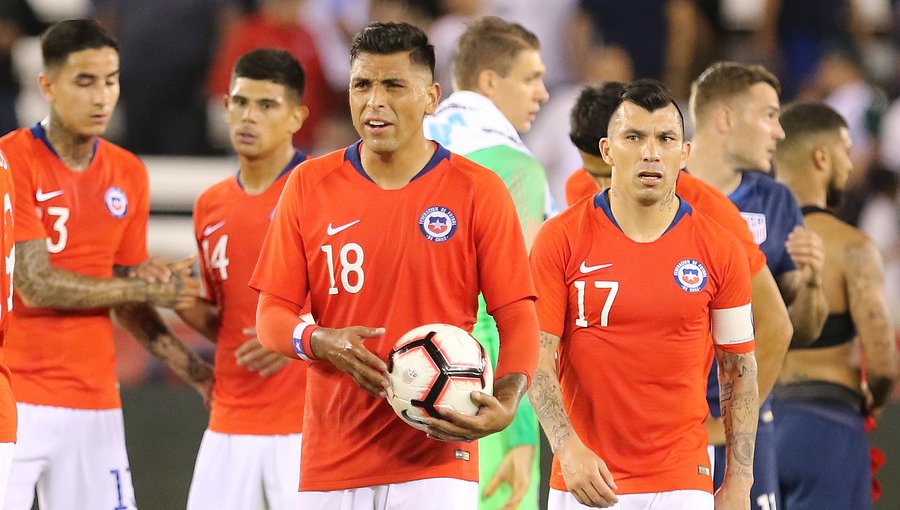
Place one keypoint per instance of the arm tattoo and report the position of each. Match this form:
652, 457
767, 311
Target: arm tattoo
42, 285
145, 324
739, 397
546, 396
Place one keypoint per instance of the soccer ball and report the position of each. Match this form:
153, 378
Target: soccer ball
437, 366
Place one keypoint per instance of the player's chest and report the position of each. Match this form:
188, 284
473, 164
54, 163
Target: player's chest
230, 234
633, 285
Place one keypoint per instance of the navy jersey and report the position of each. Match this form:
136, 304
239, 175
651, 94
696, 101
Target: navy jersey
771, 212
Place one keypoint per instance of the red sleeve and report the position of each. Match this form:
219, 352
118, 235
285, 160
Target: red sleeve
282, 269
580, 185
548, 264
500, 245
517, 321
133, 246
28, 224
276, 320
735, 289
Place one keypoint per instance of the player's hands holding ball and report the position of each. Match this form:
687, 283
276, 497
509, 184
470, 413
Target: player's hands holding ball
344, 349
586, 475
495, 413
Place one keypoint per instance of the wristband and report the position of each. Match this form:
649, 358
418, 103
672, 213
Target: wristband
302, 340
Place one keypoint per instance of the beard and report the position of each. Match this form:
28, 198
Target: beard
834, 195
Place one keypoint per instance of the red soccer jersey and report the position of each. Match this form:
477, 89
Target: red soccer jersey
700, 195
634, 321
7, 260
395, 259
93, 219
230, 226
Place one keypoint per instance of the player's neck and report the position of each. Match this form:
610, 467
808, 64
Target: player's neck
710, 162
804, 188
75, 150
597, 168
639, 222
258, 174
394, 170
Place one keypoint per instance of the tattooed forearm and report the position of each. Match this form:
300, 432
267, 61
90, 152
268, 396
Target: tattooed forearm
145, 324
546, 396
807, 306
739, 397
42, 285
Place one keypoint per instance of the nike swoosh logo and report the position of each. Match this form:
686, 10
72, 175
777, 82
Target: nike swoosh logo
212, 228
334, 230
40, 196
587, 269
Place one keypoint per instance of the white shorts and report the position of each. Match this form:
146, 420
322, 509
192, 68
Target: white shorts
240, 472
75, 458
671, 500
428, 494
6, 457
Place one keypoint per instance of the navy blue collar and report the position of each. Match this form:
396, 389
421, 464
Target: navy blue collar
352, 155
39, 133
601, 201
299, 157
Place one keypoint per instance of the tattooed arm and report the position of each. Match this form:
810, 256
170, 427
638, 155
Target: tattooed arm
585, 473
42, 285
802, 288
739, 397
870, 313
203, 317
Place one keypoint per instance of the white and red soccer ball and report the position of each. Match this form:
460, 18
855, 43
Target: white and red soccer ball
437, 366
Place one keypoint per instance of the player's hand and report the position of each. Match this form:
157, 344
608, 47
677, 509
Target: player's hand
492, 416
715, 429
256, 358
806, 250
731, 496
179, 293
344, 349
152, 270
515, 471
586, 475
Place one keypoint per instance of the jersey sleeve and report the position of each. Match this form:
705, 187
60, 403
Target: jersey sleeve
731, 321
502, 258
548, 265
133, 246
281, 270
28, 224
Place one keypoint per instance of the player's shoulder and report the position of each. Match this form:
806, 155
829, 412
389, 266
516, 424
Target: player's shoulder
119, 155
17, 145
314, 169
712, 231
217, 191
479, 176
767, 185
570, 221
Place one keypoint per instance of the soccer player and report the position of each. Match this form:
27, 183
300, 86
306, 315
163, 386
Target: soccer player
625, 410
388, 234
735, 109
499, 88
7, 260
823, 394
81, 218
250, 453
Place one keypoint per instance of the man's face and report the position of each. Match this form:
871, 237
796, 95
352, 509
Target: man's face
83, 91
261, 116
646, 150
520, 93
389, 97
841, 165
755, 129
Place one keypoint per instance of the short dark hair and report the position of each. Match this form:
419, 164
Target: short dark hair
71, 36
650, 95
383, 38
801, 120
489, 43
274, 65
589, 119
724, 80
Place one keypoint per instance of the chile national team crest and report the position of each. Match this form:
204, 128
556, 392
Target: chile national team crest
116, 202
437, 224
690, 275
